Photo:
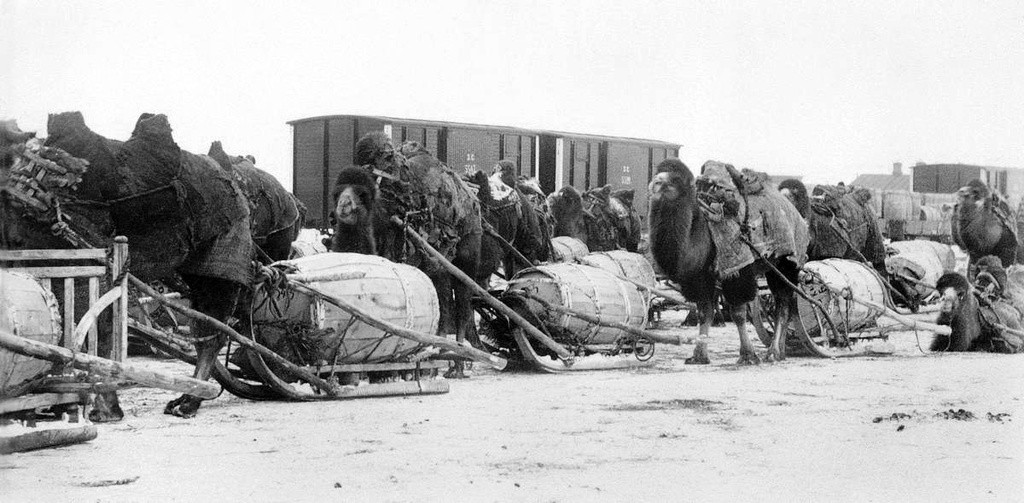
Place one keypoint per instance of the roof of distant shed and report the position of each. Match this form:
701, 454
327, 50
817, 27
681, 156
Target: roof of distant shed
467, 125
883, 182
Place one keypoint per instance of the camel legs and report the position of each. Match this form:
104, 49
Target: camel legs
747, 354
214, 297
783, 310
705, 313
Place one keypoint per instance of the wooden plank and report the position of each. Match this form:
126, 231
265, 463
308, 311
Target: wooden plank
74, 254
69, 313
83, 271
377, 367
119, 346
94, 294
8, 405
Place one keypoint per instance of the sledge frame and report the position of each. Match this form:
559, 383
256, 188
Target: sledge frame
90, 265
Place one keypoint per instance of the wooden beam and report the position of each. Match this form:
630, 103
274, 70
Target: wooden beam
33, 400
99, 254
108, 368
80, 271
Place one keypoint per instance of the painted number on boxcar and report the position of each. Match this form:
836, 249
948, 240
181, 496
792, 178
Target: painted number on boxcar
626, 178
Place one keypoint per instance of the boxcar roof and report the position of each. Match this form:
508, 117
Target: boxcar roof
467, 125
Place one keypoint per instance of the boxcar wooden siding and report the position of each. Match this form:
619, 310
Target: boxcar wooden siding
323, 146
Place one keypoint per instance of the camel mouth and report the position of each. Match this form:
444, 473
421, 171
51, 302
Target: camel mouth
347, 218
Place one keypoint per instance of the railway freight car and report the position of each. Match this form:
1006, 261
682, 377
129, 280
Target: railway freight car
323, 146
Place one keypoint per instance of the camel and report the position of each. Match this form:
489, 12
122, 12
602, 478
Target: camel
982, 225
683, 246
424, 193
584, 217
975, 315
355, 195
183, 214
627, 221
513, 217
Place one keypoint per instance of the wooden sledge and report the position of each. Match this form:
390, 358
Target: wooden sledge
526, 333
841, 291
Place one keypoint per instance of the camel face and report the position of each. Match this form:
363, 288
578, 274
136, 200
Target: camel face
972, 194
353, 204
949, 306
664, 186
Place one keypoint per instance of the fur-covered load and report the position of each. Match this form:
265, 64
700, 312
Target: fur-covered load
747, 200
843, 225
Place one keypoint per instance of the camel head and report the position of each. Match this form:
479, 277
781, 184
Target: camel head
506, 169
955, 291
625, 196
599, 196
671, 181
975, 193
990, 275
796, 192
354, 193
375, 149
565, 203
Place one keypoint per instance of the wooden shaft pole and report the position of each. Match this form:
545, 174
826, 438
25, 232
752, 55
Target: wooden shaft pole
265, 352
530, 330
463, 349
677, 340
488, 228
108, 368
889, 313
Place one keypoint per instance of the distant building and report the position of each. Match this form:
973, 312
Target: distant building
947, 178
896, 181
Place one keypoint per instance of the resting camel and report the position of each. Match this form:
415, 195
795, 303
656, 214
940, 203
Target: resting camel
985, 316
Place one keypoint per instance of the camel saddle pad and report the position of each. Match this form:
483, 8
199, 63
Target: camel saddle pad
774, 227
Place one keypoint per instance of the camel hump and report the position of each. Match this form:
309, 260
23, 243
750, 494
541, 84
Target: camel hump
155, 129
217, 154
66, 124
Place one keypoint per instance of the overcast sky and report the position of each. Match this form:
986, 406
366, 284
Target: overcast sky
827, 90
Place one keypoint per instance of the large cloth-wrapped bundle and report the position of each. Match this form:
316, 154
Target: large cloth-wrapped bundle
26, 310
309, 331
624, 264
863, 283
749, 199
180, 211
568, 249
586, 289
924, 261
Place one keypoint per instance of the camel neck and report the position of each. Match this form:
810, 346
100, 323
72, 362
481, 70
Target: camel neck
354, 239
677, 231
